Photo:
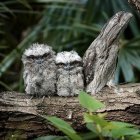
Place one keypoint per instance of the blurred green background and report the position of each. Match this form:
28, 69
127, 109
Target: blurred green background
64, 25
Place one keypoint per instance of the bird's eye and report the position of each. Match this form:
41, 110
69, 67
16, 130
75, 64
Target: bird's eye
77, 63
45, 55
74, 62
60, 64
31, 57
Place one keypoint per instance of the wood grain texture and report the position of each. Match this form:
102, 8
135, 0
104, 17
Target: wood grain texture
135, 4
100, 59
22, 115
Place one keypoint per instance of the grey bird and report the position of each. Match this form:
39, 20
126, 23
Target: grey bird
70, 79
39, 70
99, 61
135, 4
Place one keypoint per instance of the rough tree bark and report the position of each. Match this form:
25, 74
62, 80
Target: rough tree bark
22, 115
135, 4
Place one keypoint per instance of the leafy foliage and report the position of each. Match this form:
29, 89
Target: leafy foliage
53, 138
64, 25
64, 127
89, 103
98, 127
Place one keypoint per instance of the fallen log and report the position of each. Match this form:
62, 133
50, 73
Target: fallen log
22, 115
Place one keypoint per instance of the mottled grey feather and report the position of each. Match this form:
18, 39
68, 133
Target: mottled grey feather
69, 74
135, 3
39, 70
99, 61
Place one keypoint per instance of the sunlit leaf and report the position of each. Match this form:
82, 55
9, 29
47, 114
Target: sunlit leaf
64, 127
95, 119
117, 125
121, 124
89, 102
124, 132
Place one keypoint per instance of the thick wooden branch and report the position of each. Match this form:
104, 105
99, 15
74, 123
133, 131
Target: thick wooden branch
22, 115
135, 4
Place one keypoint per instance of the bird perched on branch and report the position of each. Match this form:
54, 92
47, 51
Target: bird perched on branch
39, 70
70, 80
99, 61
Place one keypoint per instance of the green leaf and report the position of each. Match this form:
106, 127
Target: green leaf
116, 125
25, 3
64, 127
135, 137
88, 136
89, 102
95, 119
92, 128
119, 129
124, 132
121, 124
52, 138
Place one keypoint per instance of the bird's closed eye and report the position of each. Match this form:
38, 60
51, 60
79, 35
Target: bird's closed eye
46, 55
75, 63
60, 64
31, 57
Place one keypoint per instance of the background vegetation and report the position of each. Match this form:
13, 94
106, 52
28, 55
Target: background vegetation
64, 25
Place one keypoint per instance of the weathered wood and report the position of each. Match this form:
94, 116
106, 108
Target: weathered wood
22, 115
135, 4
99, 61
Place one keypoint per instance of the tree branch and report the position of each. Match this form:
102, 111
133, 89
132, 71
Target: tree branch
21, 114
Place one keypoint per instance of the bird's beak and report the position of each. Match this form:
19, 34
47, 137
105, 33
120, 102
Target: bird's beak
68, 67
39, 61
